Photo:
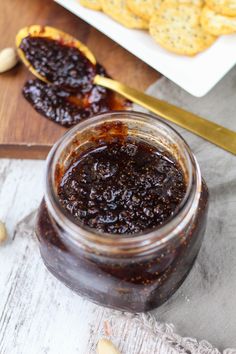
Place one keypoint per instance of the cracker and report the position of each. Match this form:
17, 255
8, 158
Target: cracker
118, 10
177, 28
91, 4
142, 8
189, 2
217, 24
224, 7
192, 2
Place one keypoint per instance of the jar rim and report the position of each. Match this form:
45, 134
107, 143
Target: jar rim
128, 243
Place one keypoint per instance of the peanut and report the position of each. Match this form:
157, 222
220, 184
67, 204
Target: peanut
105, 346
8, 59
3, 232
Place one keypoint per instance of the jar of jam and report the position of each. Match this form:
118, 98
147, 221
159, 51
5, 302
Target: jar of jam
124, 211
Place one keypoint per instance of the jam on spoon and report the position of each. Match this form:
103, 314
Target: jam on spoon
65, 92
62, 65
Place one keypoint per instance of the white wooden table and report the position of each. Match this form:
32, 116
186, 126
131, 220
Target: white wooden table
37, 313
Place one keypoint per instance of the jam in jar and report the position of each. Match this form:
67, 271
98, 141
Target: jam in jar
124, 211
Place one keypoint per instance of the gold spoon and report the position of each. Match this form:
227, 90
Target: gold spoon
216, 134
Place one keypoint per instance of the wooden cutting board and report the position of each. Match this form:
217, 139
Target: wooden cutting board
23, 132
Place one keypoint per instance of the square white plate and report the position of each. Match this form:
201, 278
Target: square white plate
197, 75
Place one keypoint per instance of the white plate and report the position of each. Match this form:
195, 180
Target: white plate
197, 75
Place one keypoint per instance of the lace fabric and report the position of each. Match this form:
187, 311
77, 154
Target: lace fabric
143, 334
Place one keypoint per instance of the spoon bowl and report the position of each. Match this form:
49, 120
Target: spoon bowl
54, 34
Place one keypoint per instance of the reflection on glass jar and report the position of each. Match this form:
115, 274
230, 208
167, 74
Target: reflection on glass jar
134, 271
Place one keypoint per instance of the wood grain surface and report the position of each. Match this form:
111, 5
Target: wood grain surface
23, 132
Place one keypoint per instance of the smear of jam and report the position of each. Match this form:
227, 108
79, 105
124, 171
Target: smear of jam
123, 187
71, 96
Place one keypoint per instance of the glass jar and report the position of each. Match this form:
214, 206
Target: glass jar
134, 273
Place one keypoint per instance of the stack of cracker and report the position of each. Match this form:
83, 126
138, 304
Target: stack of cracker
185, 27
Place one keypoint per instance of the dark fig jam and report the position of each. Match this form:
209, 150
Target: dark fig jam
63, 65
68, 109
123, 187
70, 96
124, 218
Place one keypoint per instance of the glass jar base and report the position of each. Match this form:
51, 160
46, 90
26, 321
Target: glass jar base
114, 303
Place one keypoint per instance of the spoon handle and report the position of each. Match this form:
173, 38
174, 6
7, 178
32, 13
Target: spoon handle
216, 134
